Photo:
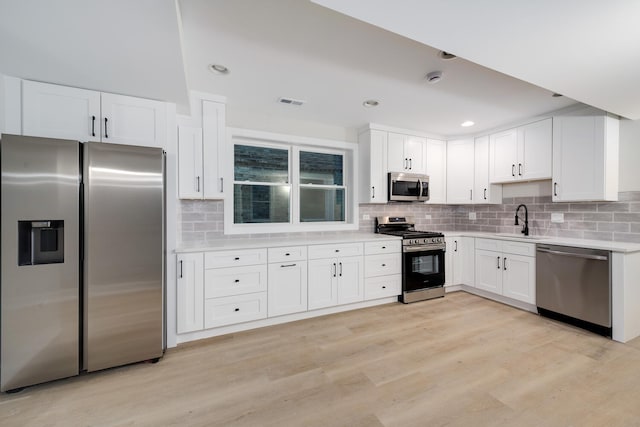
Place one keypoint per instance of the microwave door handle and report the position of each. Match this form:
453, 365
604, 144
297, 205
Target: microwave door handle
419, 189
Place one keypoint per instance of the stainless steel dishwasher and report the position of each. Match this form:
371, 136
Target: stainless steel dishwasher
574, 285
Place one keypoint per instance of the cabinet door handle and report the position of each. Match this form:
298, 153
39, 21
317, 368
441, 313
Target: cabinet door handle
513, 170
236, 281
340, 269
555, 188
410, 164
181, 269
406, 163
337, 250
485, 194
287, 265
455, 246
93, 125
335, 270
287, 254
197, 184
373, 192
504, 263
384, 265
237, 309
498, 263
236, 259
222, 185
106, 132
470, 194
520, 169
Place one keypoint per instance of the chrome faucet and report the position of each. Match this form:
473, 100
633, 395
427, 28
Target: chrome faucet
525, 229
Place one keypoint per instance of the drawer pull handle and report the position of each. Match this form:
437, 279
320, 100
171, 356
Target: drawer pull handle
384, 247
237, 309
384, 265
384, 287
337, 250
237, 259
288, 265
287, 254
237, 281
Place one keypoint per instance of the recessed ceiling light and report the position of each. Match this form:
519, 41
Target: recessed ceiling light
467, 123
557, 95
218, 69
446, 55
370, 103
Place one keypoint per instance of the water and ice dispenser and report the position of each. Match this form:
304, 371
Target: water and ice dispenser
40, 242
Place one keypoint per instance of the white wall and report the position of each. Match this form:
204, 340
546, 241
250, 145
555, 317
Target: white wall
246, 119
629, 155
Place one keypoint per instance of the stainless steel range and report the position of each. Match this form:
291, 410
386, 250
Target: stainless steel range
422, 258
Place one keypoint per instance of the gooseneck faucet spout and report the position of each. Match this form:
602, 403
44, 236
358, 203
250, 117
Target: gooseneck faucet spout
525, 229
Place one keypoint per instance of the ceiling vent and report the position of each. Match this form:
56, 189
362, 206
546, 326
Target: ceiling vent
434, 77
291, 101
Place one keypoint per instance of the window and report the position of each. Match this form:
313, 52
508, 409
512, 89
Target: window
281, 186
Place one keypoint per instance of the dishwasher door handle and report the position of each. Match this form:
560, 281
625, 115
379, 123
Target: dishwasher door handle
573, 254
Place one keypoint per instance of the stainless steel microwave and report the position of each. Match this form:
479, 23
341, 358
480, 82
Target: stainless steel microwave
408, 187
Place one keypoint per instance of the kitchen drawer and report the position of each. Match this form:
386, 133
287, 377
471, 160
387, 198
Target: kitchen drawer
489, 244
222, 282
235, 309
235, 258
335, 251
382, 265
519, 248
291, 253
383, 286
382, 247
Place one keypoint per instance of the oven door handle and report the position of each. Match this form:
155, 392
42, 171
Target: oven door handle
430, 248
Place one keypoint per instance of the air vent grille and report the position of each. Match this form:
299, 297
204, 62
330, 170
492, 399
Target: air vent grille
291, 101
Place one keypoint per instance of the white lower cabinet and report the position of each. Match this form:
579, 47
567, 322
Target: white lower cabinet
382, 269
335, 281
190, 292
287, 280
382, 286
506, 268
460, 261
234, 309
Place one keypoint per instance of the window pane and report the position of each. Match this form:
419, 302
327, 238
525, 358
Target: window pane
320, 168
321, 204
260, 203
260, 164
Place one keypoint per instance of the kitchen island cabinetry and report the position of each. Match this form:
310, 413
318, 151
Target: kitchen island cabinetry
506, 268
55, 111
585, 156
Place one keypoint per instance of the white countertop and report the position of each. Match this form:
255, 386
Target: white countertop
553, 240
224, 244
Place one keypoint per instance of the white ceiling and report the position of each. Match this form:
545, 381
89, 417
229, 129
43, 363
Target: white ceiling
585, 49
128, 47
299, 49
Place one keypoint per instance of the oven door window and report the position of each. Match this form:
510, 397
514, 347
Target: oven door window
423, 269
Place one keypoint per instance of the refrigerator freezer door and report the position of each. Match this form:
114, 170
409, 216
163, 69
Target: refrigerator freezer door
40, 239
124, 253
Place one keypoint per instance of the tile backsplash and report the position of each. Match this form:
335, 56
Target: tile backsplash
201, 222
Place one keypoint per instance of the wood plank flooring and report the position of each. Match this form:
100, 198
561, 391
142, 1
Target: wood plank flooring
456, 361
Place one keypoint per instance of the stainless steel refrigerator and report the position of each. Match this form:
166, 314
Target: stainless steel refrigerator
82, 248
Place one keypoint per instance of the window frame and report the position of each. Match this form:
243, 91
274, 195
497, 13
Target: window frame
294, 144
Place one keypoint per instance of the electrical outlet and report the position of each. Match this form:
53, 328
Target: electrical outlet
472, 216
427, 216
366, 216
557, 217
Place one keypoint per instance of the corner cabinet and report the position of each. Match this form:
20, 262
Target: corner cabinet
585, 156
436, 168
55, 111
373, 166
460, 261
201, 155
460, 170
522, 153
483, 191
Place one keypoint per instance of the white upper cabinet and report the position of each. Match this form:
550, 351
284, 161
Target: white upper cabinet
522, 153
52, 111
133, 121
483, 191
69, 113
436, 168
201, 155
585, 156
460, 171
405, 153
372, 148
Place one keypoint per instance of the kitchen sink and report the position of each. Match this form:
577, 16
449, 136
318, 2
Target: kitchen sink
521, 236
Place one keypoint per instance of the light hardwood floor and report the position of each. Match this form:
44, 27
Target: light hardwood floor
455, 361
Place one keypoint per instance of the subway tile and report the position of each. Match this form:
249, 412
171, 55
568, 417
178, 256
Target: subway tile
571, 234
543, 199
573, 216
598, 235
556, 207
634, 207
629, 196
635, 228
627, 237
626, 217
598, 216
613, 207
613, 226
583, 207
524, 200
583, 225
542, 216
193, 216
